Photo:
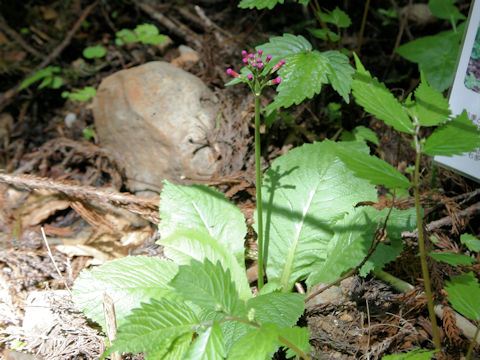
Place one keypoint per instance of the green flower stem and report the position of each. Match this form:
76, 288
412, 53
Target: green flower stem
472, 344
259, 191
421, 246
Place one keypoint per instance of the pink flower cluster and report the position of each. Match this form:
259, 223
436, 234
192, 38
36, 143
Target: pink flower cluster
256, 64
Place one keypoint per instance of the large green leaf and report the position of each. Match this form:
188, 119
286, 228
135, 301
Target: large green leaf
430, 105
417, 354
155, 327
340, 73
371, 168
464, 295
452, 258
303, 75
203, 208
256, 344
399, 221
453, 138
353, 239
186, 244
445, 9
375, 98
128, 281
436, 56
305, 192
209, 345
283, 309
209, 286
472, 243
297, 336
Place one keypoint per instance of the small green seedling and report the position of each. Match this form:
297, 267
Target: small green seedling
144, 34
49, 76
94, 52
84, 94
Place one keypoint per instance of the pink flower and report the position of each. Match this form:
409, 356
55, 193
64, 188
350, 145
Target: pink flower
260, 65
269, 57
260, 52
231, 72
249, 76
245, 60
244, 53
251, 56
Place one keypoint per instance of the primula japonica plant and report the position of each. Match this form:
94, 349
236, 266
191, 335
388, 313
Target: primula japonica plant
256, 74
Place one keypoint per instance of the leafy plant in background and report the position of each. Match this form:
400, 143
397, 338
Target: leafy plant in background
49, 76
429, 108
144, 33
436, 55
84, 94
94, 52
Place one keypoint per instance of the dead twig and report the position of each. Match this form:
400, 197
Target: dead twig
16, 37
176, 27
445, 221
144, 207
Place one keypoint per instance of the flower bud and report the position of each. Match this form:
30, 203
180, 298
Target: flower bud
249, 76
269, 57
278, 65
260, 52
260, 65
244, 53
231, 72
245, 60
277, 80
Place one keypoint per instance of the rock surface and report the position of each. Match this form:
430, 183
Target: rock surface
153, 117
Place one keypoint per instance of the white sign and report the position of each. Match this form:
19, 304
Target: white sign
465, 94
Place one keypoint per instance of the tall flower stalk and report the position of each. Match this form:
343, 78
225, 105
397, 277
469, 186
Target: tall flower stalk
257, 74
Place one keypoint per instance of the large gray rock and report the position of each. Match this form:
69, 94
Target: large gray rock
152, 117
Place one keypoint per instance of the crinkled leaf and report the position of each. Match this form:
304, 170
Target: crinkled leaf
453, 138
364, 133
304, 193
176, 350
436, 56
280, 47
418, 354
128, 281
451, 258
303, 75
353, 239
283, 309
209, 286
472, 243
375, 98
336, 17
371, 168
203, 208
256, 344
430, 105
340, 73
185, 244
299, 337
464, 295
209, 345
154, 327
445, 9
